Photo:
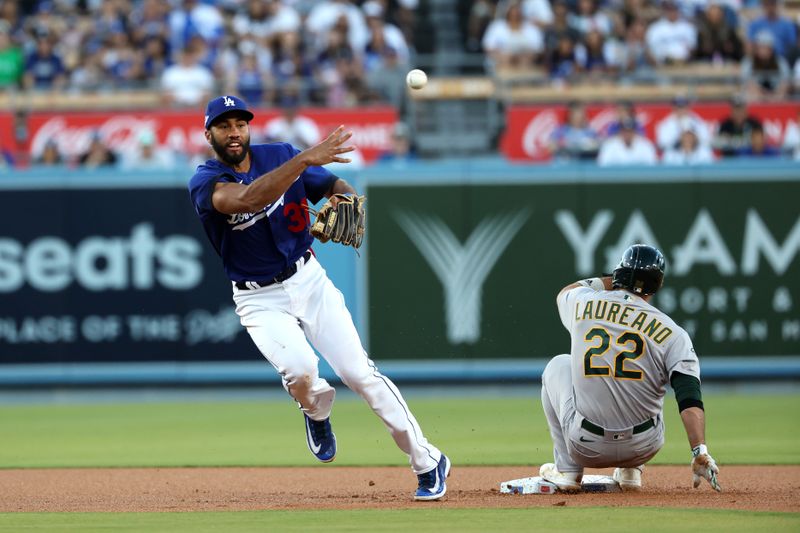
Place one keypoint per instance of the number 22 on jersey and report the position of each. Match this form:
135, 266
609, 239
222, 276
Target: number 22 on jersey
632, 344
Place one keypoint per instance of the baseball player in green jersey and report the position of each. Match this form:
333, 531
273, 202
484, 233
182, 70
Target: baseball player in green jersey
604, 400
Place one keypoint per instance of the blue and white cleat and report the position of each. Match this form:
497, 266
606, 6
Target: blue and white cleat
321, 440
432, 485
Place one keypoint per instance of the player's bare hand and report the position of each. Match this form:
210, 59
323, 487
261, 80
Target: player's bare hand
330, 150
704, 467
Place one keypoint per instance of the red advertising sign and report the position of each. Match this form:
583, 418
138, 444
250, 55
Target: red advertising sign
183, 130
529, 128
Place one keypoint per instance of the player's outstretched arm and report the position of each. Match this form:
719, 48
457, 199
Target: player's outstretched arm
232, 198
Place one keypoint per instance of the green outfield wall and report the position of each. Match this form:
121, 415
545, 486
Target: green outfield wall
469, 267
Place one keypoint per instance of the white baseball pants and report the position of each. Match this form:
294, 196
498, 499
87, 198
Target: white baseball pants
284, 317
573, 446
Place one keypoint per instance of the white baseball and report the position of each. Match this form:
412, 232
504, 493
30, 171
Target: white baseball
416, 79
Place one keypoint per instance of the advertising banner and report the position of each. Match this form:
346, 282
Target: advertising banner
529, 128
183, 130
112, 275
472, 271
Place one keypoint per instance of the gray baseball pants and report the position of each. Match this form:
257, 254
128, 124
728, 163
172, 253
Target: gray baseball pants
575, 447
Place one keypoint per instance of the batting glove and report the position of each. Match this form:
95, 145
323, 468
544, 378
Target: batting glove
704, 467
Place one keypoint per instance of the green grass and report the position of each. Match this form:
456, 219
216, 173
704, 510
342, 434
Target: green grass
596, 520
481, 430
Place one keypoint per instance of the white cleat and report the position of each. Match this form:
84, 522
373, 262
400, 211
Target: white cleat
566, 482
629, 479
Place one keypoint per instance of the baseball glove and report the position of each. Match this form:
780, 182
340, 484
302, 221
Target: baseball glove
343, 223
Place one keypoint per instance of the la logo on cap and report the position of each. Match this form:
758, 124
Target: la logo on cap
228, 101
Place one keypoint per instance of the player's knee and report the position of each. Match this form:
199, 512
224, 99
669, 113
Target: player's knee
300, 376
355, 378
555, 366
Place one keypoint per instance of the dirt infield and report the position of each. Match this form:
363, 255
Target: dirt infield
763, 488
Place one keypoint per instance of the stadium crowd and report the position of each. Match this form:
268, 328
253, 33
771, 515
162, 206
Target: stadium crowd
681, 138
347, 52
629, 40
328, 52
343, 53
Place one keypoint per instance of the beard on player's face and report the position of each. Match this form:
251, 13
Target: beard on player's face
221, 149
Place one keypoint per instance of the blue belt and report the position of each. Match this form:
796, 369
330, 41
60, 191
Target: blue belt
280, 277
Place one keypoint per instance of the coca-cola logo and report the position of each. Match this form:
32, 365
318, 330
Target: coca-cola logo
118, 133
538, 132
541, 126
73, 135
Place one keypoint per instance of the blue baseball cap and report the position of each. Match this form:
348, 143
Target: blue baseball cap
226, 104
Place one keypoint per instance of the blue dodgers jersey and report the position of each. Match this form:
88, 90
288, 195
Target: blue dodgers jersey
257, 246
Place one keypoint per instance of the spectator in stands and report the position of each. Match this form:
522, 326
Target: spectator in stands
593, 53
575, 139
148, 155
44, 68
630, 56
403, 14
782, 29
717, 38
9, 13
44, 20
481, 14
98, 154
194, 18
759, 146
791, 138
589, 18
339, 70
511, 41
11, 60
561, 62
391, 34
50, 156
688, 151
633, 10
150, 20
187, 83
402, 150
538, 12
624, 110
765, 74
671, 39
384, 70
627, 148
292, 127
264, 20
560, 27
734, 131
90, 73
290, 67
326, 15
797, 76
155, 58
108, 22
251, 80
123, 64
682, 118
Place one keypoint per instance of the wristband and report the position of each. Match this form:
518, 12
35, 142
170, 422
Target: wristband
593, 283
700, 449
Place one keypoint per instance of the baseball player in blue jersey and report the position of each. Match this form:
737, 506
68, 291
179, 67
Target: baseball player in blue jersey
252, 201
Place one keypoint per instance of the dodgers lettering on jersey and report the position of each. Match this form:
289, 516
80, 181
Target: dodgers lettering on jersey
257, 246
623, 353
